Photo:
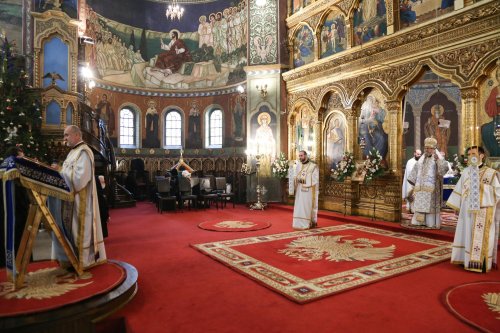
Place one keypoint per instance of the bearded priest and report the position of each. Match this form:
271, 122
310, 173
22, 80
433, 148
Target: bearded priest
306, 188
427, 181
477, 199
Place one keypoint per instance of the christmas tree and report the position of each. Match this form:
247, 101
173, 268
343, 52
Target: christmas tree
20, 116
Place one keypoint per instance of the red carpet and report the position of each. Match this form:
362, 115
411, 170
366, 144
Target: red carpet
49, 287
234, 225
477, 304
308, 265
183, 291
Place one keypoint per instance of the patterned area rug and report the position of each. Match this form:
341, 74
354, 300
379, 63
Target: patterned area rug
232, 226
307, 265
477, 304
49, 287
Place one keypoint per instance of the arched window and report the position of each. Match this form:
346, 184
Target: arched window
53, 116
214, 123
69, 114
55, 59
128, 128
173, 129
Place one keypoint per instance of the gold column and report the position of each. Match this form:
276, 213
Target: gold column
352, 124
416, 128
468, 119
395, 134
317, 141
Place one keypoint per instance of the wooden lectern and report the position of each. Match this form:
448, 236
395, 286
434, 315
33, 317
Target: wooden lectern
40, 181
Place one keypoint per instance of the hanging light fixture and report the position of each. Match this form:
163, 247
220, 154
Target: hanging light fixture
174, 11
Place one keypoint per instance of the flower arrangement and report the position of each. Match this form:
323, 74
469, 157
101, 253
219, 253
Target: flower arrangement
458, 164
373, 165
280, 166
345, 167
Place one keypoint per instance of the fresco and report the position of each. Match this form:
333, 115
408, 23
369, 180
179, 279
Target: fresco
10, 21
263, 31
372, 132
333, 35
238, 110
490, 118
194, 140
305, 126
418, 11
151, 124
263, 125
211, 52
439, 119
297, 5
335, 139
70, 7
370, 21
303, 52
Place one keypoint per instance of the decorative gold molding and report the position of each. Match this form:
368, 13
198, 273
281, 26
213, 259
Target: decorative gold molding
318, 7
467, 25
57, 23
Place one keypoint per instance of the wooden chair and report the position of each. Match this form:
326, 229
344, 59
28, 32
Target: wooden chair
163, 194
186, 194
221, 187
206, 194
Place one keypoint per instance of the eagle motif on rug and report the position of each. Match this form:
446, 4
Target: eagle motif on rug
335, 248
493, 302
235, 224
43, 284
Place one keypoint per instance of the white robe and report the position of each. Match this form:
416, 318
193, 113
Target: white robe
407, 187
476, 235
305, 211
427, 175
86, 232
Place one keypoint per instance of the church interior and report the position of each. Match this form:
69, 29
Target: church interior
224, 95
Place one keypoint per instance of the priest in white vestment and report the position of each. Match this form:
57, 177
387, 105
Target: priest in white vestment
477, 199
427, 180
407, 190
81, 217
306, 188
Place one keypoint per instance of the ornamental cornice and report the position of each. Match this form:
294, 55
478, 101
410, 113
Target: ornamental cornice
405, 45
313, 21
44, 28
334, 102
466, 58
469, 93
393, 106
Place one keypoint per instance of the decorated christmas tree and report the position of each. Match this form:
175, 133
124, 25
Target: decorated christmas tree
20, 116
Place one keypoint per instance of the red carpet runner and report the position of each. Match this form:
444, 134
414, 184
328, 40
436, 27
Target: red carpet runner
234, 225
477, 304
311, 264
50, 287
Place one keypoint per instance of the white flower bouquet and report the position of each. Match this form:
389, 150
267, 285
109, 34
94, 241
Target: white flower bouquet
373, 165
345, 167
280, 166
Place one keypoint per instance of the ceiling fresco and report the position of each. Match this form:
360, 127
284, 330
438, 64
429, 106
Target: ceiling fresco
136, 45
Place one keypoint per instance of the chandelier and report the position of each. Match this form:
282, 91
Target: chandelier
174, 11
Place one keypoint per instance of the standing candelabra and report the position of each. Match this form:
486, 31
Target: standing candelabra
260, 190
